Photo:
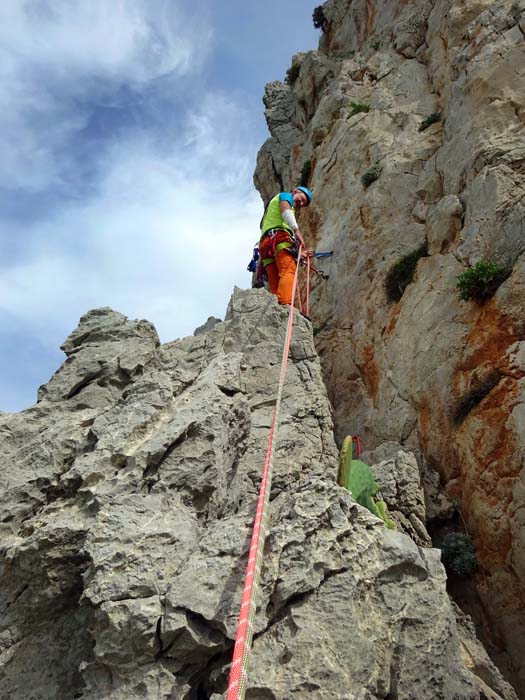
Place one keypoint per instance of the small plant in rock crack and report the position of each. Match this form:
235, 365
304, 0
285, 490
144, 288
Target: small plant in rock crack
319, 17
292, 73
402, 272
375, 44
432, 119
458, 555
305, 173
479, 282
372, 174
358, 107
475, 396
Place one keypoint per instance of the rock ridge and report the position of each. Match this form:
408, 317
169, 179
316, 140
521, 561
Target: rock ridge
127, 495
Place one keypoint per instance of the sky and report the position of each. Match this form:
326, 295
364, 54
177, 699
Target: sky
129, 131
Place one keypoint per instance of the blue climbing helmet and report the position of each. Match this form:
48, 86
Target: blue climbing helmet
307, 192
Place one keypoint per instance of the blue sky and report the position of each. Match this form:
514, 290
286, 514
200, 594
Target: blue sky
128, 136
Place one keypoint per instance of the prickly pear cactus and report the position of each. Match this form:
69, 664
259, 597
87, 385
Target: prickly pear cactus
383, 514
356, 476
362, 483
345, 460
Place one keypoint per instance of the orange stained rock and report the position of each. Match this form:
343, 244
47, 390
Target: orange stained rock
367, 221
493, 542
489, 338
371, 13
370, 370
391, 324
497, 439
491, 460
358, 26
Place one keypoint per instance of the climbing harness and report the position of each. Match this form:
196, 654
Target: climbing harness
273, 246
243, 638
256, 265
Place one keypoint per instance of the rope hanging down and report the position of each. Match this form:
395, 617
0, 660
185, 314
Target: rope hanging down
305, 260
243, 639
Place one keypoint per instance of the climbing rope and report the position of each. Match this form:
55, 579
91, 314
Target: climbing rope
305, 260
243, 638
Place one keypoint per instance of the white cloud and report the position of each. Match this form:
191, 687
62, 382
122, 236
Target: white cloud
167, 227
56, 55
166, 237
127, 40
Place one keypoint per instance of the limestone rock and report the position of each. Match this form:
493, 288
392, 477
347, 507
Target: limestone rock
437, 504
443, 223
400, 487
486, 676
105, 349
274, 157
211, 322
126, 521
404, 372
410, 31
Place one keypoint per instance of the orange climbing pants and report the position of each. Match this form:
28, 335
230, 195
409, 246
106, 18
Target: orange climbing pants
281, 271
281, 274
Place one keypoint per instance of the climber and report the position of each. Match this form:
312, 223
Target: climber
279, 235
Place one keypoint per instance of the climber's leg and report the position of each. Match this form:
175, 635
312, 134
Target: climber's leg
286, 266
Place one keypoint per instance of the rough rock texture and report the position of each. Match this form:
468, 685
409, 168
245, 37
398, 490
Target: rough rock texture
400, 487
435, 374
127, 495
475, 657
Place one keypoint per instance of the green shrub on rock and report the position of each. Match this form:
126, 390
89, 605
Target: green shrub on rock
372, 174
305, 173
292, 73
358, 107
318, 17
475, 396
402, 273
479, 282
432, 119
458, 555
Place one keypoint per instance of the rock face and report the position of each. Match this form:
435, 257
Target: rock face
444, 84
127, 495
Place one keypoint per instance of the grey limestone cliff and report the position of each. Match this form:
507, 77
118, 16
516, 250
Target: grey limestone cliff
431, 96
127, 494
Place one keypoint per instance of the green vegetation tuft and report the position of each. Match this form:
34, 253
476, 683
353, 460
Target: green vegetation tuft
372, 174
320, 329
319, 17
458, 555
292, 73
375, 44
475, 396
357, 107
402, 273
479, 282
432, 119
305, 173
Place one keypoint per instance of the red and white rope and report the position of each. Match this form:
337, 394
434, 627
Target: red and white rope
243, 639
